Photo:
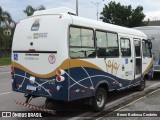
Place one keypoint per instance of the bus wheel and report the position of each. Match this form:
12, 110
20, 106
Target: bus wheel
99, 100
141, 86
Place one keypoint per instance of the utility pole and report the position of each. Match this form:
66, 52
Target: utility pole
97, 10
77, 7
97, 4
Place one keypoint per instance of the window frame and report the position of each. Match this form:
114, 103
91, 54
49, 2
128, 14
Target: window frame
100, 30
130, 47
69, 46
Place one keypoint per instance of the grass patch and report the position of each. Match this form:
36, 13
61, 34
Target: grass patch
5, 61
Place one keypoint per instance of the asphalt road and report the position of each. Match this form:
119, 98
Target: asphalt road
7, 96
72, 110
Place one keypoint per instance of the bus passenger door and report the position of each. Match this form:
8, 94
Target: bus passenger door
127, 58
138, 60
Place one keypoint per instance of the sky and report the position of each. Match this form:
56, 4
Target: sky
87, 8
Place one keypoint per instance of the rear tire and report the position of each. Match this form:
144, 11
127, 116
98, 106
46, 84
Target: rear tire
99, 100
141, 86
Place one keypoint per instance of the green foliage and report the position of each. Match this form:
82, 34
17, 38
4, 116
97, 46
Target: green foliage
30, 10
5, 18
5, 43
5, 61
6, 22
118, 14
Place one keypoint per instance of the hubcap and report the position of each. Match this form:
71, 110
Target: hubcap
100, 99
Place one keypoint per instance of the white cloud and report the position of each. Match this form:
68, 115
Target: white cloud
153, 15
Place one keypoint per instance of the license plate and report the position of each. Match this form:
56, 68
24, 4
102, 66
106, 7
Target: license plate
32, 88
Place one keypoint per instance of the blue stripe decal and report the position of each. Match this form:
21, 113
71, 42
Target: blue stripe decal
80, 83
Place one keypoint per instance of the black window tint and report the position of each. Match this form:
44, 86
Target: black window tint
144, 49
125, 47
137, 48
107, 44
81, 43
82, 52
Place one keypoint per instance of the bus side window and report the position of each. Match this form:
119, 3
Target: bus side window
125, 47
146, 50
82, 43
107, 44
137, 48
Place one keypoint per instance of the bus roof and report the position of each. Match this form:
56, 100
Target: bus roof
90, 23
55, 11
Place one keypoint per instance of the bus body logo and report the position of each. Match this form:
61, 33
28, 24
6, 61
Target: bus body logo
35, 26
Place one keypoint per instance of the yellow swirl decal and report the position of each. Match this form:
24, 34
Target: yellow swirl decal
68, 63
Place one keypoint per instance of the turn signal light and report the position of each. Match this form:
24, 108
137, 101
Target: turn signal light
60, 72
60, 78
12, 73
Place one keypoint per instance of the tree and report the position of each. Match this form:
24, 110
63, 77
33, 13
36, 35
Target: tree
30, 10
5, 18
6, 22
118, 14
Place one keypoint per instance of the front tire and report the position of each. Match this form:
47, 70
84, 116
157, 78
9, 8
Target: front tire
99, 100
141, 86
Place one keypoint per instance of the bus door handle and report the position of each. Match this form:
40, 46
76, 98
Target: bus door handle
131, 60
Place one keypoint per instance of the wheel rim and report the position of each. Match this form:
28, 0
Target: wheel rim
100, 99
